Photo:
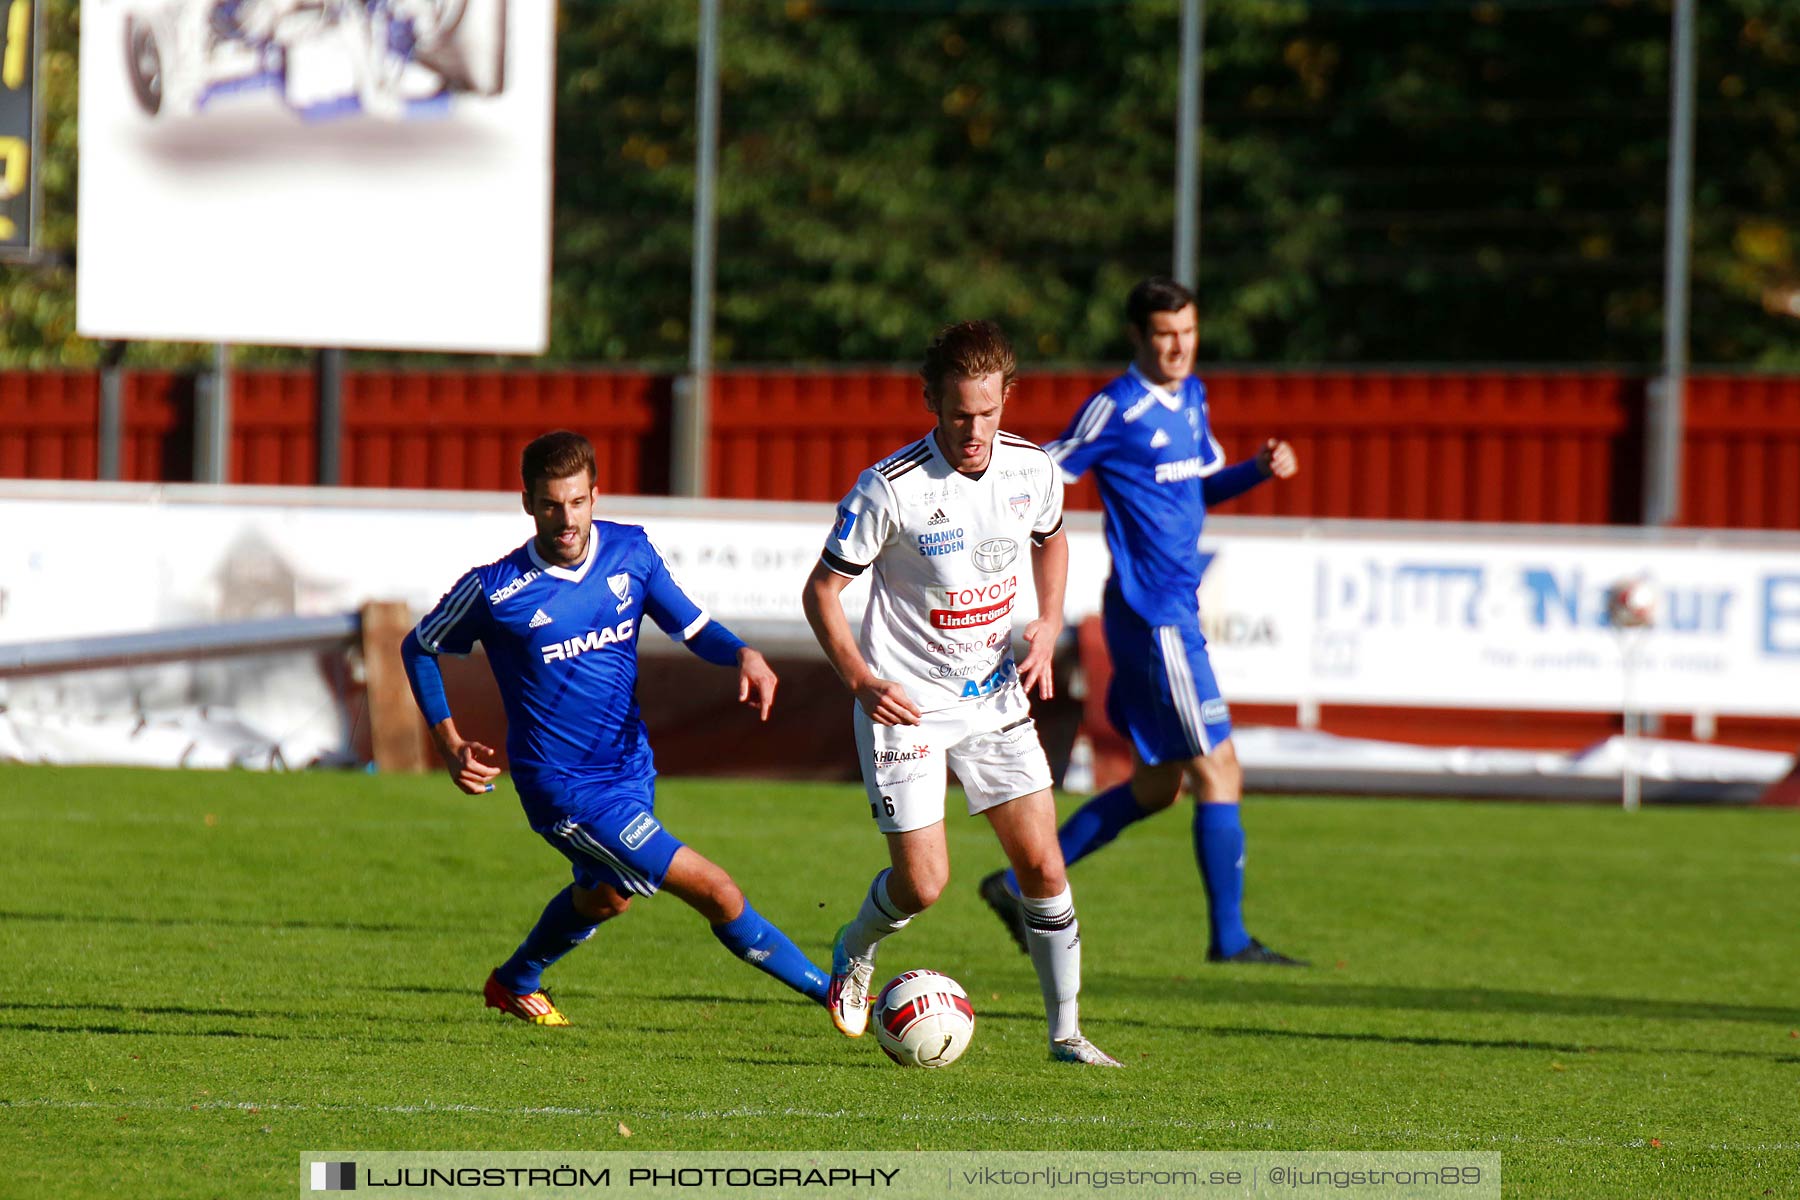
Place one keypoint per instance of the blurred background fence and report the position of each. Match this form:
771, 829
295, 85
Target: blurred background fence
1546, 447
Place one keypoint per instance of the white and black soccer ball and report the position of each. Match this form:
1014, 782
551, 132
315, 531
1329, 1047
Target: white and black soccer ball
1631, 604
923, 1019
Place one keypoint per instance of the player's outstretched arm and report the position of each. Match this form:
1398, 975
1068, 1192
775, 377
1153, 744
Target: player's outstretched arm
1050, 573
682, 619
885, 701
1275, 460
463, 759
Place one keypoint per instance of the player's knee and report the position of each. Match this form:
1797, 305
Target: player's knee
1155, 790
1041, 874
599, 904
917, 892
1219, 774
721, 899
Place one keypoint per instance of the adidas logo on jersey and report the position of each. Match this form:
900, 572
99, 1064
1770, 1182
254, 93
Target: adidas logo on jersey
540, 619
1159, 439
938, 518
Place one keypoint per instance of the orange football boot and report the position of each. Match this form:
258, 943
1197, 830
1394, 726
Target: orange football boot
535, 1008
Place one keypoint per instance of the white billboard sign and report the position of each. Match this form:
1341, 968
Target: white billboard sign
1294, 614
1502, 622
370, 173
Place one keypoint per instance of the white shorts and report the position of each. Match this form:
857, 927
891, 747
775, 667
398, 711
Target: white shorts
991, 744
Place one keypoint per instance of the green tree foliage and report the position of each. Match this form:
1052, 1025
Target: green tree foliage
1383, 180
37, 303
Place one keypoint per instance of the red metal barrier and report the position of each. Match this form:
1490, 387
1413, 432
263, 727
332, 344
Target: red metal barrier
49, 425
158, 427
462, 429
1542, 448
1741, 461
1552, 447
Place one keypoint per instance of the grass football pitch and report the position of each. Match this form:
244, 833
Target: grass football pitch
208, 973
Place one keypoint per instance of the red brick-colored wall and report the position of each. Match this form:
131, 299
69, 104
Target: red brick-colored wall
1537, 447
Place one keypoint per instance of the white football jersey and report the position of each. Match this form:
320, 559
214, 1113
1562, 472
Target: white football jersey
947, 550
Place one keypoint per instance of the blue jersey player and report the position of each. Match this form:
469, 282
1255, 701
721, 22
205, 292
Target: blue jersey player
559, 618
1146, 439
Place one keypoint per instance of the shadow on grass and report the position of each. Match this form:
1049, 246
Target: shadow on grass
208, 922
1236, 990
150, 1010
361, 1037
1434, 1043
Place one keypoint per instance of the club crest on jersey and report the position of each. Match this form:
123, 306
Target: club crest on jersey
1159, 439
593, 639
1020, 504
621, 587
995, 554
638, 832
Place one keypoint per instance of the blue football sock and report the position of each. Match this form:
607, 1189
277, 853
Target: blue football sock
766, 948
557, 932
1219, 847
1094, 825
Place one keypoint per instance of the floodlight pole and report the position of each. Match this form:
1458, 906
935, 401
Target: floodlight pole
1662, 467
328, 384
212, 421
693, 396
1187, 145
112, 412
1631, 722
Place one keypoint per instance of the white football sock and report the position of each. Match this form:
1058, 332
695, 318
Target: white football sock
1054, 938
878, 917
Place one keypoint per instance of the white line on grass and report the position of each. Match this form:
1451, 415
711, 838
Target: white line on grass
749, 1112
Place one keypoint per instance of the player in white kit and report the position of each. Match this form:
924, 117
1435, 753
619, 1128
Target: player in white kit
946, 524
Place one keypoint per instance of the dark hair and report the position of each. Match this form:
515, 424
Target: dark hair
556, 455
1156, 294
968, 350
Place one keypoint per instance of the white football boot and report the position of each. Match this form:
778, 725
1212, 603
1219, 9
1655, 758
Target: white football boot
848, 996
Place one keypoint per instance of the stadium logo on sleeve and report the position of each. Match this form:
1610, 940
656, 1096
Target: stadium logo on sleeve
1214, 712
995, 554
638, 832
515, 585
1140, 408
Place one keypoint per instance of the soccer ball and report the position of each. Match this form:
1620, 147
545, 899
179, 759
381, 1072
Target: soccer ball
1631, 604
923, 1019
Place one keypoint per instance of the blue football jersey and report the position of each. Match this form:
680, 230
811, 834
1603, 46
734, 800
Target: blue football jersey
562, 642
1150, 449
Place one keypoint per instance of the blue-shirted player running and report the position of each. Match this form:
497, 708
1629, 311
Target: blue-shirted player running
559, 618
1146, 438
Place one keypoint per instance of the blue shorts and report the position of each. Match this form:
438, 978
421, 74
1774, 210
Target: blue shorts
1163, 697
606, 828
